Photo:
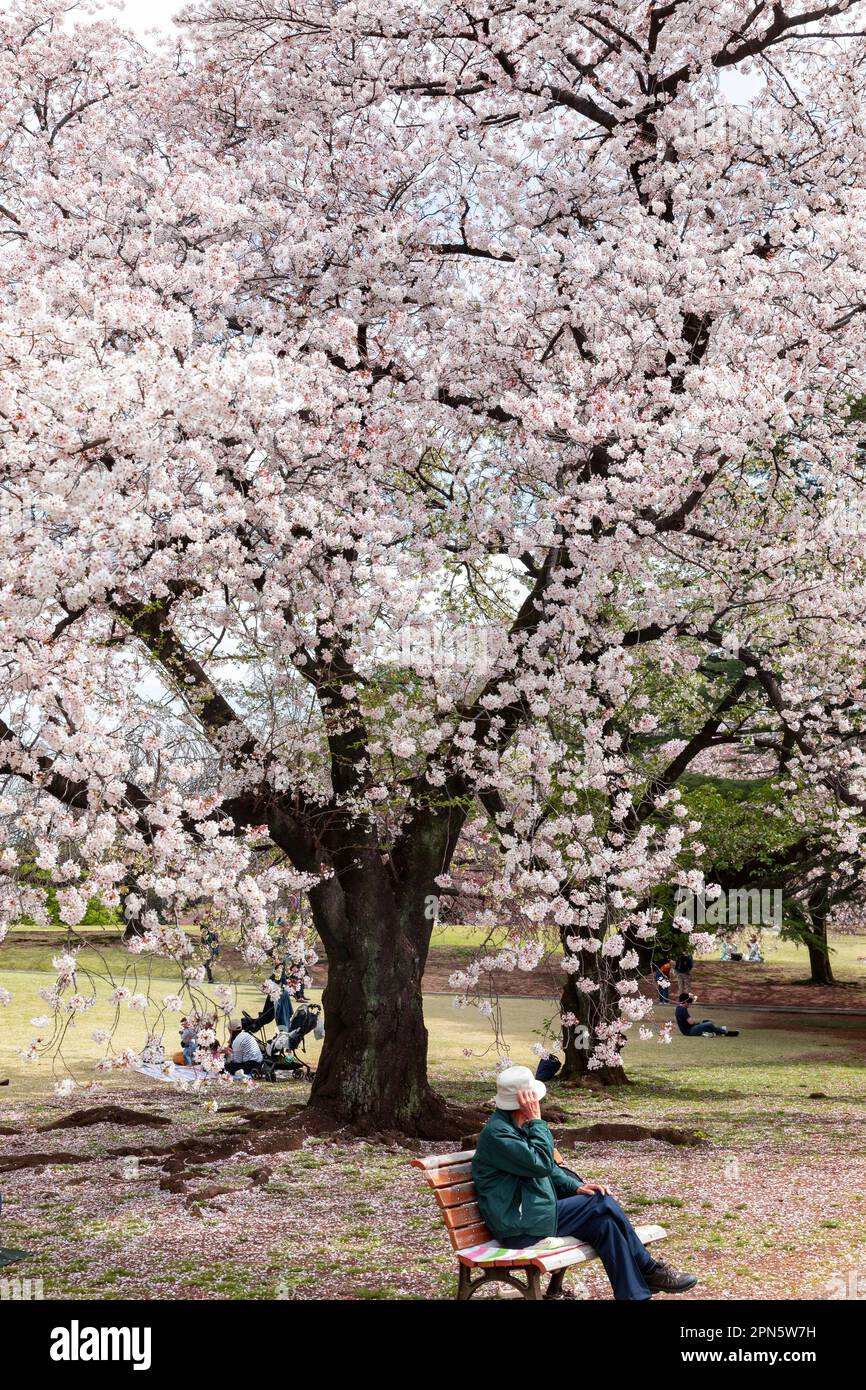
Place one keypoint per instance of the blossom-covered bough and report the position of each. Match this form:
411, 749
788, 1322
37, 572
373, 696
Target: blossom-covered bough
341, 323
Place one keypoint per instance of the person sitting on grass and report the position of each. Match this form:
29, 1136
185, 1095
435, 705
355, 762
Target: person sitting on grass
706, 1028
524, 1196
245, 1051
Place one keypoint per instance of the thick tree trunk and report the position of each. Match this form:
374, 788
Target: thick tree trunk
375, 922
590, 1010
819, 949
373, 1068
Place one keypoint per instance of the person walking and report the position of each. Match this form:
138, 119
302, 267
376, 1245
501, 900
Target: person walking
663, 982
211, 942
187, 1042
684, 965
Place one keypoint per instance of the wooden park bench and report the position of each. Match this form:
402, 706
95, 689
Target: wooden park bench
482, 1260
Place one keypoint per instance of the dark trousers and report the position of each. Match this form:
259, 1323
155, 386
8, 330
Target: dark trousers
603, 1224
706, 1027
249, 1068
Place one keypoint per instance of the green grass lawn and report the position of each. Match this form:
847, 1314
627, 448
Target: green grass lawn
25, 966
454, 1033
847, 952
79, 1050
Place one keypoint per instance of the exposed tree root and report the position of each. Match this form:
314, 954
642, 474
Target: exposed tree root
10, 1162
106, 1115
251, 1132
447, 1121
604, 1079
604, 1133
553, 1114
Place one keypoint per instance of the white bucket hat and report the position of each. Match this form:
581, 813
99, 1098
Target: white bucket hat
512, 1080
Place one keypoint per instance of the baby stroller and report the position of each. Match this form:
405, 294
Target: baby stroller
280, 1052
255, 1025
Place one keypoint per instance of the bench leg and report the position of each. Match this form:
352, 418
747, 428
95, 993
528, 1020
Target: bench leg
531, 1289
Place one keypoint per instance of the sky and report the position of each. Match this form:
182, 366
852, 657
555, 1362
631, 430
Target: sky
146, 14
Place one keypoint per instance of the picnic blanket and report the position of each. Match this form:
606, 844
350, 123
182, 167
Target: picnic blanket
168, 1071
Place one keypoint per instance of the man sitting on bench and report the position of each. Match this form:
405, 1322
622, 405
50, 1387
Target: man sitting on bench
524, 1195
706, 1028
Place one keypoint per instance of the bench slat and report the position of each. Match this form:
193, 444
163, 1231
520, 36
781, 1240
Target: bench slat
447, 1177
442, 1160
468, 1215
455, 1196
469, 1236
489, 1255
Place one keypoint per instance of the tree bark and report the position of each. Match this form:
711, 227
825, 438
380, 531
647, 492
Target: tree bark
590, 1010
818, 947
373, 1067
373, 919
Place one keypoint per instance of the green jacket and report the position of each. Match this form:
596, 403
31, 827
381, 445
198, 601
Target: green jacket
517, 1180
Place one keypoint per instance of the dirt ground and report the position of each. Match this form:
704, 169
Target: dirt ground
225, 1205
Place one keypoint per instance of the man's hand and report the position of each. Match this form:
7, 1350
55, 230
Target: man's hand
529, 1108
590, 1187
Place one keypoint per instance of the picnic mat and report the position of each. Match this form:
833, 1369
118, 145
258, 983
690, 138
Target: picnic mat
170, 1071
174, 1073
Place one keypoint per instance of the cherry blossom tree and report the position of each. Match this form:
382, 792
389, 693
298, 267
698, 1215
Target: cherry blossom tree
345, 327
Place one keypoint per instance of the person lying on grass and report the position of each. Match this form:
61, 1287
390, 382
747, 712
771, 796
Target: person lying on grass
706, 1028
525, 1196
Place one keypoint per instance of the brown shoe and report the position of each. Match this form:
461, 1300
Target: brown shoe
664, 1279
